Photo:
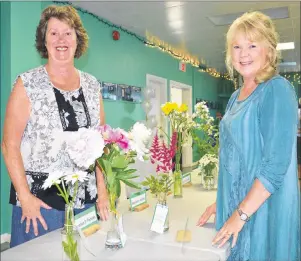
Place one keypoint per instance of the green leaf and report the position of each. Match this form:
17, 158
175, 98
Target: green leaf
130, 184
110, 175
119, 161
126, 176
129, 171
118, 188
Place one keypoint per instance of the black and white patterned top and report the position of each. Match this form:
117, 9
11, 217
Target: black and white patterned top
52, 109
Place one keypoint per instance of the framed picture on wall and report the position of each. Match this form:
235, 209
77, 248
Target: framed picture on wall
128, 93
124, 92
109, 91
136, 94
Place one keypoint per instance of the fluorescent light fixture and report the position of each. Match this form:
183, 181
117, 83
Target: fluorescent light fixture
174, 13
274, 13
285, 46
287, 64
173, 4
176, 25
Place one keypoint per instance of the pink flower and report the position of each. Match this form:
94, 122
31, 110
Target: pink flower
115, 136
121, 139
162, 155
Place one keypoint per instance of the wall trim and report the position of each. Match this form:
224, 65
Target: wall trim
5, 238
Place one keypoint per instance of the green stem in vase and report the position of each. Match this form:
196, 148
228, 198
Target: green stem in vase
64, 195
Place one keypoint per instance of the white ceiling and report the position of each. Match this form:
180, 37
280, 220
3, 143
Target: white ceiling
198, 35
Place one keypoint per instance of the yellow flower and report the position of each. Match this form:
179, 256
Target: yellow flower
166, 109
183, 108
174, 106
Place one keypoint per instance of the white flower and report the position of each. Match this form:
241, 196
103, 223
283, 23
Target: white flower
74, 176
207, 159
139, 137
85, 146
53, 177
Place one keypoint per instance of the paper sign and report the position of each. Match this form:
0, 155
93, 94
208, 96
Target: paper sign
123, 236
159, 218
137, 199
87, 221
186, 178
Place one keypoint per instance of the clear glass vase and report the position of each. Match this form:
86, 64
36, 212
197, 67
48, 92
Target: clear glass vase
209, 182
178, 188
71, 241
113, 240
162, 199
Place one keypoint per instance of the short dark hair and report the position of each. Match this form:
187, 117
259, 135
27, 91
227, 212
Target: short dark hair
69, 15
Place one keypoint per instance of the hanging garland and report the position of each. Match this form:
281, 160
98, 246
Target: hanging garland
293, 78
155, 42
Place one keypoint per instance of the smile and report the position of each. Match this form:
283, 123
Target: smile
245, 63
63, 48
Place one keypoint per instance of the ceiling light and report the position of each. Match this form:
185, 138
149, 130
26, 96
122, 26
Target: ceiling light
176, 25
285, 46
174, 13
274, 13
173, 4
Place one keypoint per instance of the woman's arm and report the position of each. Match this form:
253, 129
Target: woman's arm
17, 115
255, 198
102, 195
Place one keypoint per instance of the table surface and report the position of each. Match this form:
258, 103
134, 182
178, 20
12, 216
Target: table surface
141, 244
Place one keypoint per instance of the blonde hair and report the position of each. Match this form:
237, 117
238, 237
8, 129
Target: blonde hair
69, 15
258, 27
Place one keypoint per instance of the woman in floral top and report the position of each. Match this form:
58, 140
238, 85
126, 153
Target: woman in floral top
53, 97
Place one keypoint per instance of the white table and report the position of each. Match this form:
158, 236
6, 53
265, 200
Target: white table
142, 244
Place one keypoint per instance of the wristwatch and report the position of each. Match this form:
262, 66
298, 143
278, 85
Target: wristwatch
243, 216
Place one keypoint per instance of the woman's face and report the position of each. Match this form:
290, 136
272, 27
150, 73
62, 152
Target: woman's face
248, 57
61, 41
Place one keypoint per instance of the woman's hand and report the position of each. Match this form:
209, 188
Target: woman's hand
31, 212
231, 228
211, 210
102, 205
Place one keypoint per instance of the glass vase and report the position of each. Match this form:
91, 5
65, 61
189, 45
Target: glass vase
178, 188
113, 240
71, 240
162, 199
209, 182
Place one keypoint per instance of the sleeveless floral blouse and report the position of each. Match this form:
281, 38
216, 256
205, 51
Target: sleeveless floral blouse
54, 109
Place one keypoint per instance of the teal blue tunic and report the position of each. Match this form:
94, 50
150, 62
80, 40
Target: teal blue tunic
258, 141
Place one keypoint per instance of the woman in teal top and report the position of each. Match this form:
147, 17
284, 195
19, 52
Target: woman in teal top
257, 206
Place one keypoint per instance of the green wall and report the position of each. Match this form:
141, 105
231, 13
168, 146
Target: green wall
5, 80
125, 61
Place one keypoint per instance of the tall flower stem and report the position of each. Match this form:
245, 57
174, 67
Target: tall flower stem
178, 172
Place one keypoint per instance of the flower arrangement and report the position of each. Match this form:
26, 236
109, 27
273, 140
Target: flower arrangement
121, 149
208, 166
161, 155
181, 123
207, 163
112, 150
64, 180
205, 134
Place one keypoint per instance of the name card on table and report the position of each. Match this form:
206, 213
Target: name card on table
87, 221
186, 178
137, 199
159, 218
